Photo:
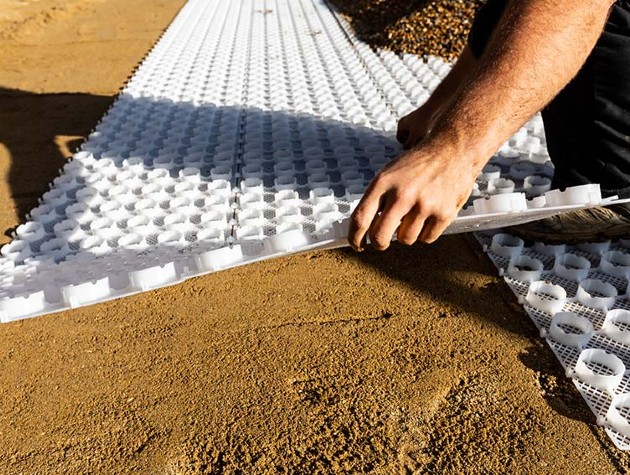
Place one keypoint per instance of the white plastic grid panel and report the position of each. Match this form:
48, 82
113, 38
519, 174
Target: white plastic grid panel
599, 400
250, 130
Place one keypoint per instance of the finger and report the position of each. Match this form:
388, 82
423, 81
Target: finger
402, 132
411, 226
433, 229
385, 225
413, 140
362, 217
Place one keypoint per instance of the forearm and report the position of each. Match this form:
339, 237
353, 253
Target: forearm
536, 49
450, 84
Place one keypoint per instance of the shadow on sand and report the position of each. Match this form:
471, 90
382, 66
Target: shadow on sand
31, 127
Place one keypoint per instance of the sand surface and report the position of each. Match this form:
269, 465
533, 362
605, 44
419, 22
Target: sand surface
417, 360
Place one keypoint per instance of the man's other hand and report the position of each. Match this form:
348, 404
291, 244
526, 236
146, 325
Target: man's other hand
413, 127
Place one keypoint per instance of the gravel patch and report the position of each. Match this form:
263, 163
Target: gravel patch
425, 28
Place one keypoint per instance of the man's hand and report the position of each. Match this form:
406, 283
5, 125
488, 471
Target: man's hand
537, 47
421, 190
415, 126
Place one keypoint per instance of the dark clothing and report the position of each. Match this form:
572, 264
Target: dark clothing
587, 124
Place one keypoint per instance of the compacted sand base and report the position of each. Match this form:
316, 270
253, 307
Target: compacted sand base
416, 360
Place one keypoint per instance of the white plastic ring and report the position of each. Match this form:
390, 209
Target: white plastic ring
575, 340
546, 297
606, 379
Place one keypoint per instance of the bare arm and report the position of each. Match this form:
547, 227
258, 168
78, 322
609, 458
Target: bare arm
414, 127
537, 48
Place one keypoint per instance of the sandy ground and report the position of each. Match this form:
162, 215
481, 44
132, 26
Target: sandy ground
417, 360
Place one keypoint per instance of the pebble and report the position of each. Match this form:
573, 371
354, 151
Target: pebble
438, 27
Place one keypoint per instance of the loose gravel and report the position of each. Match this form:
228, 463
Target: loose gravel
423, 27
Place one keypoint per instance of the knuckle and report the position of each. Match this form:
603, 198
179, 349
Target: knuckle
358, 219
404, 195
380, 183
379, 241
429, 204
380, 178
435, 209
442, 219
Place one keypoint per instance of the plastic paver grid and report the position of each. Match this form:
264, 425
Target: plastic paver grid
251, 131
597, 316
